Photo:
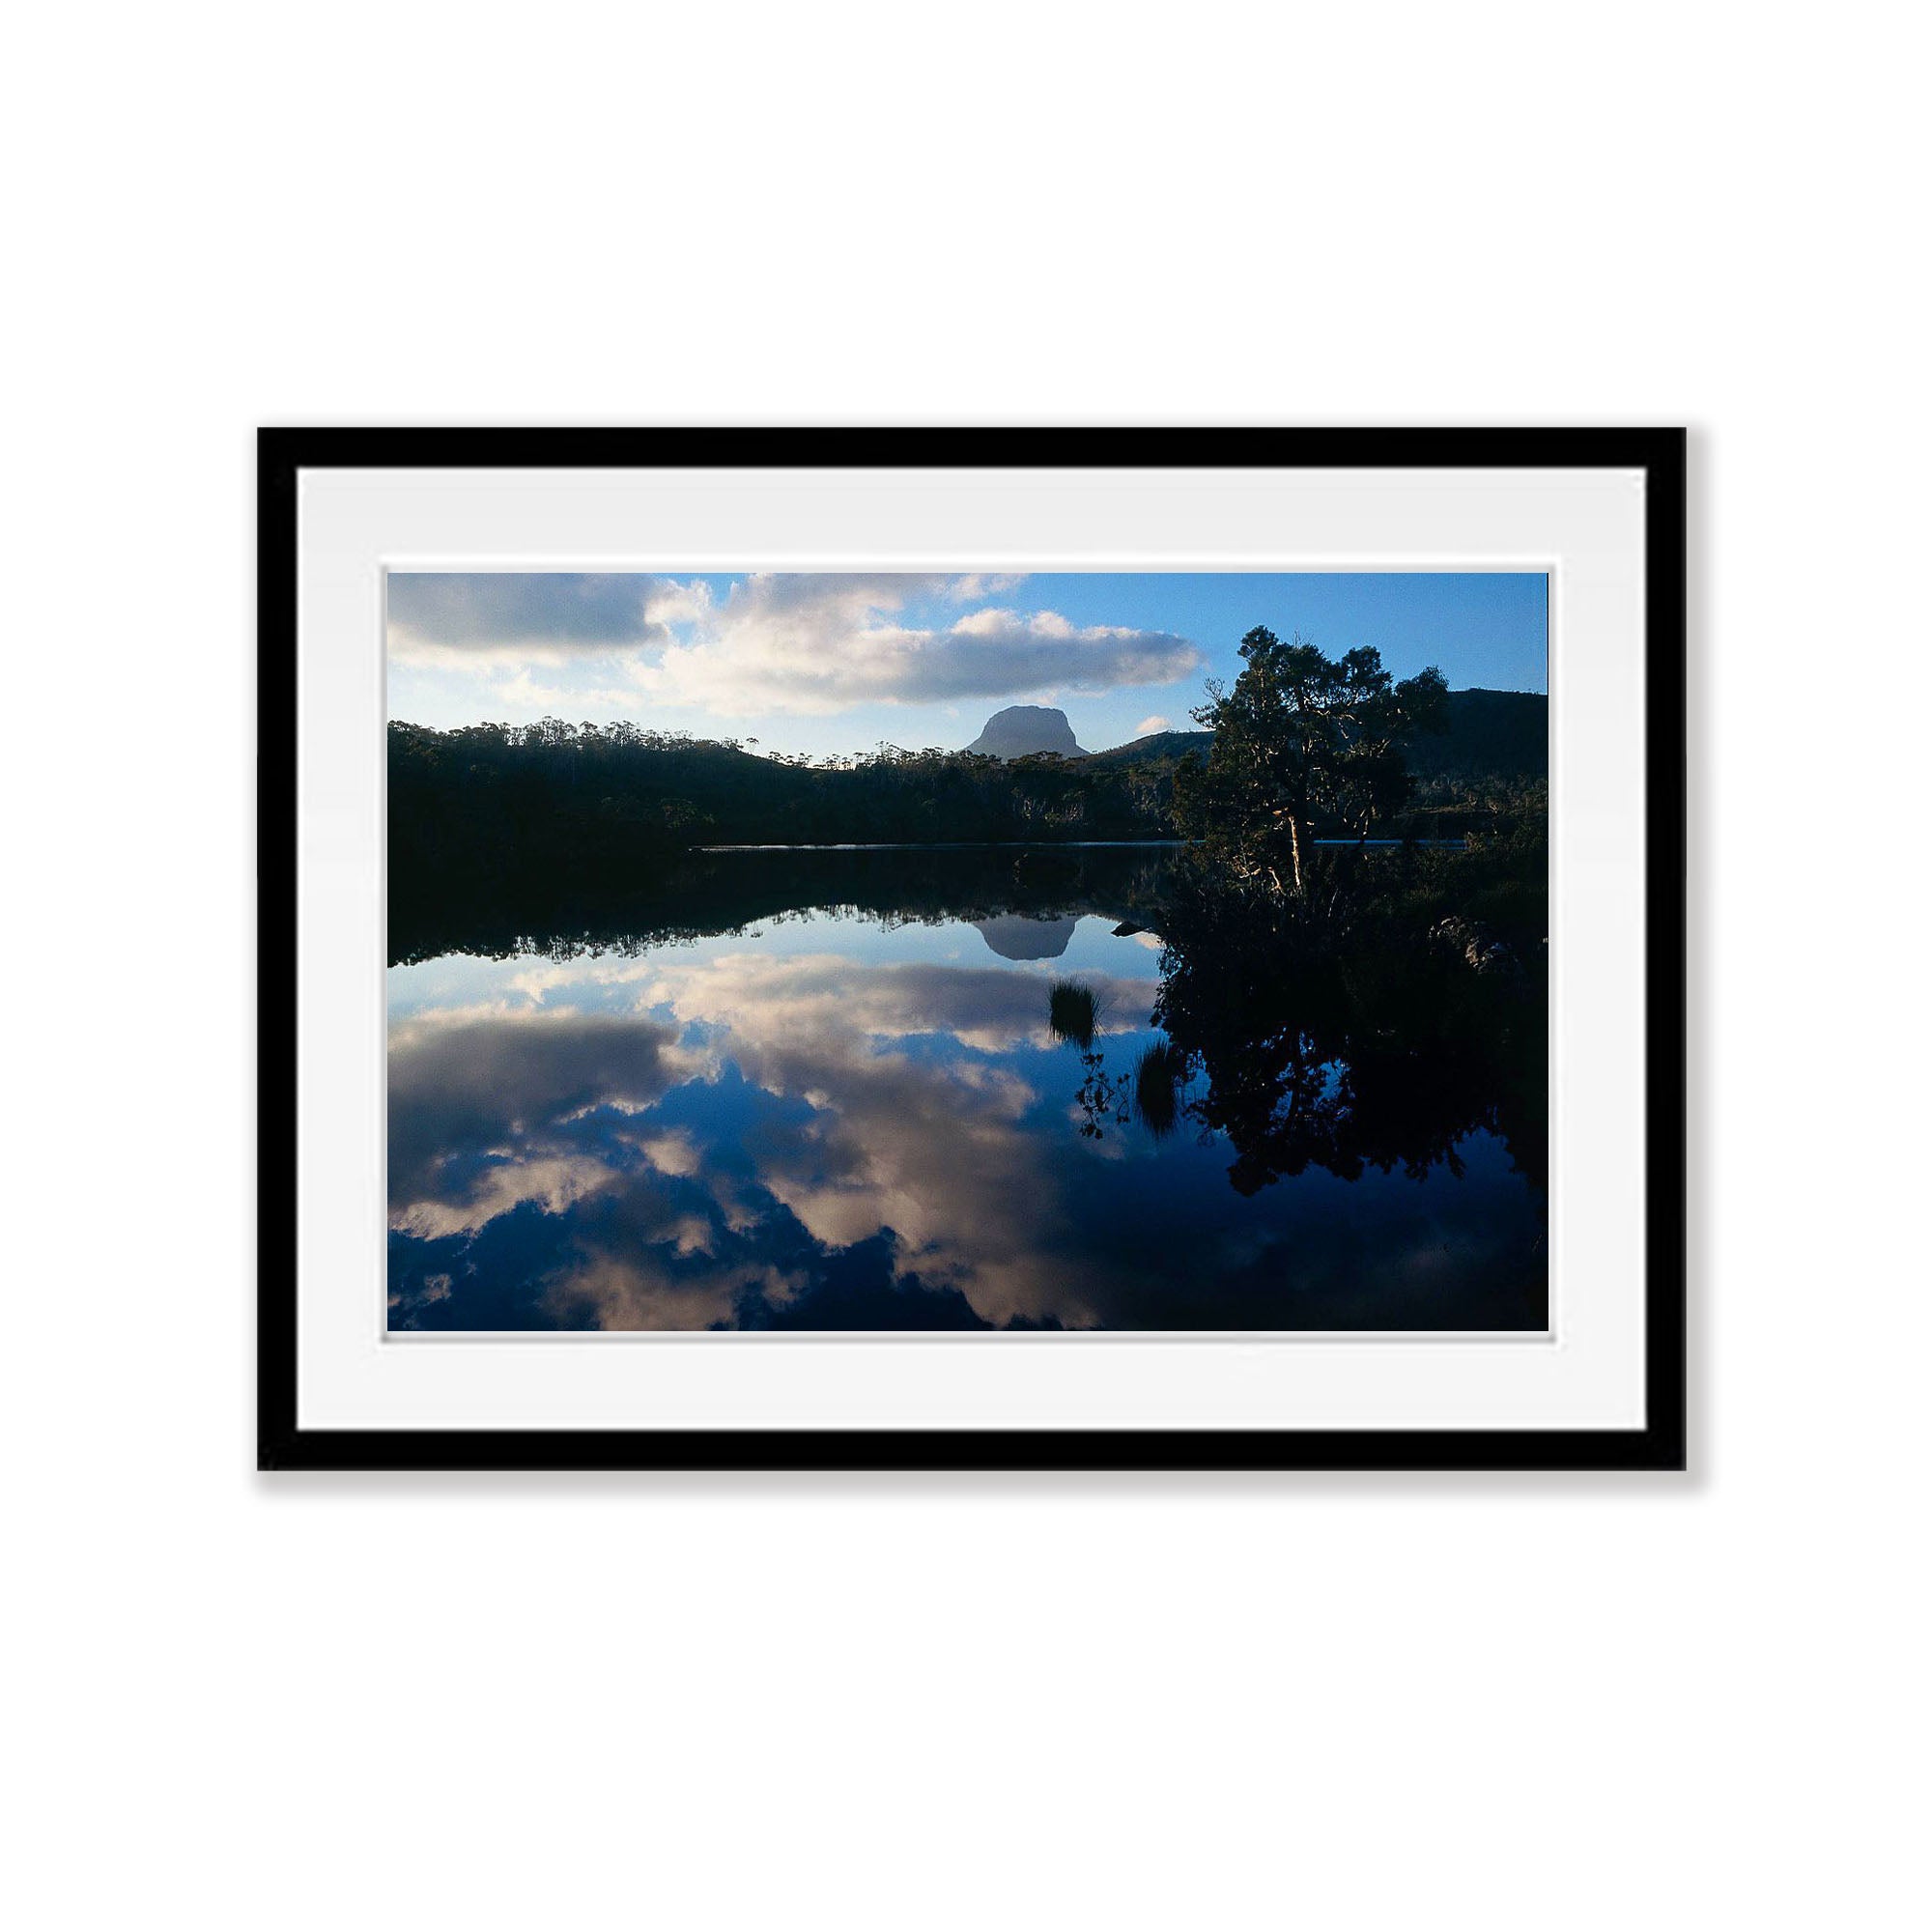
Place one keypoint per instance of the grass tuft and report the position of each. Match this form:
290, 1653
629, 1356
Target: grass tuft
1071, 1013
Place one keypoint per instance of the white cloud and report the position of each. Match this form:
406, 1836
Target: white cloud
461, 618
668, 601
1148, 727
806, 642
823, 643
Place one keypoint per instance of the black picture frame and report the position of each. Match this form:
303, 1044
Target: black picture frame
1660, 1444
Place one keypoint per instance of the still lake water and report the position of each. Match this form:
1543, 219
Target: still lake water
832, 1104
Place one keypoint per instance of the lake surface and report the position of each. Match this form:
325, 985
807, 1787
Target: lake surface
825, 1091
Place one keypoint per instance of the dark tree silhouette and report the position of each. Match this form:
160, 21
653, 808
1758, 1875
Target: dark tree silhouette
1302, 737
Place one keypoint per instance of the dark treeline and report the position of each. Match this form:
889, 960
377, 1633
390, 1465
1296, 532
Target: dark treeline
550, 804
497, 802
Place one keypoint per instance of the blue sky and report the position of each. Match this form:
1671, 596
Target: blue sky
827, 663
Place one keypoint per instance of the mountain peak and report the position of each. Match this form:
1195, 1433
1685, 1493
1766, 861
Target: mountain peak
1021, 729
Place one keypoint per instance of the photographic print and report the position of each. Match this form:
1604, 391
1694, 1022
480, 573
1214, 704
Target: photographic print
1095, 953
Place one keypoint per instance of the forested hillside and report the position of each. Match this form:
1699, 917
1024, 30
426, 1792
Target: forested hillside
486, 800
564, 800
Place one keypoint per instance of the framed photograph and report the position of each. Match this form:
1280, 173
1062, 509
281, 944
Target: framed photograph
972, 948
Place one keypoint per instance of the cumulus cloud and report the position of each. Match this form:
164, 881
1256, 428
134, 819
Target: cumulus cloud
1148, 727
812, 642
821, 643
451, 618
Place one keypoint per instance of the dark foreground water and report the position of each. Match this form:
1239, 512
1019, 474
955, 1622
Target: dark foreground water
815, 1098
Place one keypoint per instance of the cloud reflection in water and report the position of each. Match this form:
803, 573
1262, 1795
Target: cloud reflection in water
854, 1129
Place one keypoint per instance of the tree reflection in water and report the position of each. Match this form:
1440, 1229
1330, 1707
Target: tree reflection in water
1345, 1033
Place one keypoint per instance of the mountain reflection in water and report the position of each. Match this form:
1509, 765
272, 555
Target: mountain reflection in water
1016, 936
825, 1091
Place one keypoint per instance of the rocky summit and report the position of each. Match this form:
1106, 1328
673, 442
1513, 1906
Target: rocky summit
1021, 729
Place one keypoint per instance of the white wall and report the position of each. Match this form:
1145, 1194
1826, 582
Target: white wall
1387, 1703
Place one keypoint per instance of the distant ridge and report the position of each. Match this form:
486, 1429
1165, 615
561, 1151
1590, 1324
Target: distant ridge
1155, 745
1490, 735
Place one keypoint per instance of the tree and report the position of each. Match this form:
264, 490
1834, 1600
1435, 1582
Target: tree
1302, 735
